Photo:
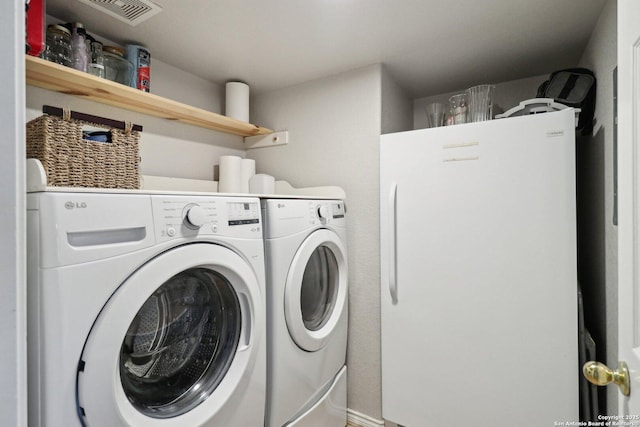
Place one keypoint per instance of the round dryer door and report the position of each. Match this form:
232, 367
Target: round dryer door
316, 289
174, 341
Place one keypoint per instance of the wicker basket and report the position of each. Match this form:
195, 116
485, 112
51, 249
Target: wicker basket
71, 161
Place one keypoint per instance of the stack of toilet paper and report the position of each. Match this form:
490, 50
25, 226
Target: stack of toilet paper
238, 175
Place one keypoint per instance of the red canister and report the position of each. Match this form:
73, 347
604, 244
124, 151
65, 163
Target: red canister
35, 26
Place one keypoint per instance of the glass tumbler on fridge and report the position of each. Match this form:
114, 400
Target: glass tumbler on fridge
480, 100
458, 105
436, 113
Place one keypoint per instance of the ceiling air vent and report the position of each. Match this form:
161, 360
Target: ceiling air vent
132, 12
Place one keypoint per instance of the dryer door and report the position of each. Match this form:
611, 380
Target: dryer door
316, 289
175, 343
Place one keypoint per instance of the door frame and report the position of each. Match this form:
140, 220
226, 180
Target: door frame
628, 158
13, 304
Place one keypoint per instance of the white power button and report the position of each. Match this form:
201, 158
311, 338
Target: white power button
171, 231
195, 217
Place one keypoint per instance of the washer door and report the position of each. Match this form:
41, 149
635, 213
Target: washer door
316, 289
173, 343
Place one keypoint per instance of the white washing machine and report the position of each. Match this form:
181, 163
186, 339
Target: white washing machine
145, 310
307, 279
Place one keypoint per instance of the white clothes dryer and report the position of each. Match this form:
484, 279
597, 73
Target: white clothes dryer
145, 310
307, 287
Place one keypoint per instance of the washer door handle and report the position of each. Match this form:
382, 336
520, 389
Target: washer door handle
245, 309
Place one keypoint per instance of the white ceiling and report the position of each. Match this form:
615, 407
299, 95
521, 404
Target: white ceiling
429, 46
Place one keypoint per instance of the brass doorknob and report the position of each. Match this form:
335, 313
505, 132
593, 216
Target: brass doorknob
599, 374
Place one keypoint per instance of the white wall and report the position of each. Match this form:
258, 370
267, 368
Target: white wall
12, 216
397, 107
334, 125
598, 236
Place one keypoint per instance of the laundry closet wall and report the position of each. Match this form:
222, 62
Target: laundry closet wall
334, 126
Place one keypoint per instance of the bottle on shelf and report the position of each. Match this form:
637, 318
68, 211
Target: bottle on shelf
79, 54
96, 64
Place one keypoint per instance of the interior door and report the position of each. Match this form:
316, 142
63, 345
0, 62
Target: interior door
628, 198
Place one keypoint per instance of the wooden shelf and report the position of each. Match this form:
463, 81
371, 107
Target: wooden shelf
49, 75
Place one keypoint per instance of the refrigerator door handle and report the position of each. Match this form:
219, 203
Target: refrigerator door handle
392, 236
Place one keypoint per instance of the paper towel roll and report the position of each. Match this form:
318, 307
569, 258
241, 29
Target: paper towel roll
237, 100
262, 184
229, 180
247, 170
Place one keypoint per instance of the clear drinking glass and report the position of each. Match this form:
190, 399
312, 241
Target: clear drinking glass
458, 106
435, 114
480, 103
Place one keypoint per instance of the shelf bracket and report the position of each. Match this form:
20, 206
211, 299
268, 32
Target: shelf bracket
268, 140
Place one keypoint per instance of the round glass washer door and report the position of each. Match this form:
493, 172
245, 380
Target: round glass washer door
172, 344
316, 290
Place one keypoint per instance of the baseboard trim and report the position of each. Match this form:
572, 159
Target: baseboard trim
356, 419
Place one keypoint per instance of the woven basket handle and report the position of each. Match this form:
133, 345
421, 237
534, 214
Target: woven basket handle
67, 114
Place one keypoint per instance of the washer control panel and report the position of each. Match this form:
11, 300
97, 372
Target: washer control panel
189, 216
243, 213
194, 216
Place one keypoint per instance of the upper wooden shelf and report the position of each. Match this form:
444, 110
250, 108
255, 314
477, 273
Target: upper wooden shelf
59, 78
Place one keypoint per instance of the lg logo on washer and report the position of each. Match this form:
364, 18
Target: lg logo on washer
75, 205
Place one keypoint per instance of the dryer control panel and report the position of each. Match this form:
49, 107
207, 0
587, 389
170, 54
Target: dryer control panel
284, 217
326, 212
190, 216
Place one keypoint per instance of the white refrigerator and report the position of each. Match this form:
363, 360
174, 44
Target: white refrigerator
478, 274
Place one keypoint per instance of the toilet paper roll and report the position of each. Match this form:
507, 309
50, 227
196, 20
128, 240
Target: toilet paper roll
229, 180
247, 170
262, 184
237, 100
